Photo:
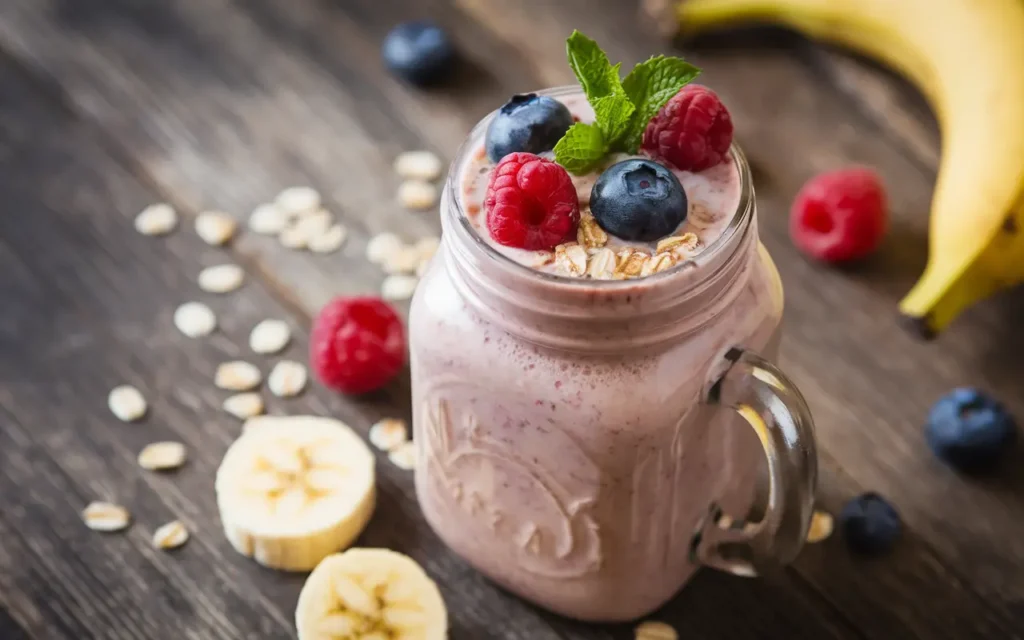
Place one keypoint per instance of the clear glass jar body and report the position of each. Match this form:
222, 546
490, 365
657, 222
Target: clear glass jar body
566, 447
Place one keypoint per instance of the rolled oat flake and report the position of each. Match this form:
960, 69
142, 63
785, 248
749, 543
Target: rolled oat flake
156, 219
170, 536
195, 319
221, 278
652, 630
388, 434
270, 336
106, 516
295, 201
237, 375
126, 403
244, 405
162, 456
404, 455
215, 227
267, 219
287, 379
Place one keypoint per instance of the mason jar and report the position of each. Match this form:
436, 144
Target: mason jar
589, 444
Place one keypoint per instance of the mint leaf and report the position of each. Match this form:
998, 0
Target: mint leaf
622, 107
649, 86
614, 116
600, 82
594, 72
581, 148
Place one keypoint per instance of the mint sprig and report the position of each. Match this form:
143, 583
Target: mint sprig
622, 107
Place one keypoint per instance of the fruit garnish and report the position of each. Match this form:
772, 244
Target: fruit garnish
870, 525
294, 489
375, 594
531, 203
419, 52
840, 215
529, 123
622, 107
638, 200
357, 344
692, 132
969, 430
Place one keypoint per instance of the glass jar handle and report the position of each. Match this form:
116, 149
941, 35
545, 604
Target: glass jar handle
774, 408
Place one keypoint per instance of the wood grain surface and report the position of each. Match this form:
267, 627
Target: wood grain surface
109, 105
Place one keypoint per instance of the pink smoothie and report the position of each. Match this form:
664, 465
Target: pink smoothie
566, 450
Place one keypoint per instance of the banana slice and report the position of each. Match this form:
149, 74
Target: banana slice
295, 490
370, 594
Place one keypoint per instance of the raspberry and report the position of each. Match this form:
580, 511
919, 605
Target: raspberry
357, 344
839, 216
692, 131
531, 203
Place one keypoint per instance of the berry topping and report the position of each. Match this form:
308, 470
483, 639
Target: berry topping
419, 52
840, 215
357, 344
869, 524
638, 200
969, 430
529, 123
531, 203
692, 132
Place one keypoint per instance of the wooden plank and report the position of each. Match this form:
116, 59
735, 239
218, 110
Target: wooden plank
162, 100
87, 306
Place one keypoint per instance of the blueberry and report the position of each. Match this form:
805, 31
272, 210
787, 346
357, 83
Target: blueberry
529, 123
419, 52
869, 524
969, 430
638, 200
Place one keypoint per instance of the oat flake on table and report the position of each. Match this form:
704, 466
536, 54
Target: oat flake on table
106, 516
221, 278
404, 455
237, 375
329, 241
266, 219
244, 405
162, 456
417, 195
403, 260
419, 165
270, 336
287, 378
126, 403
388, 434
296, 201
398, 287
156, 219
652, 630
381, 246
215, 227
170, 536
195, 319
314, 223
293, 237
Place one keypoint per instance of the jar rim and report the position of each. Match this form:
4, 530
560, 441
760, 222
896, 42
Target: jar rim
454, 215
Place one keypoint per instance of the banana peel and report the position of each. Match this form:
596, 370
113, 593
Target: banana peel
967, 57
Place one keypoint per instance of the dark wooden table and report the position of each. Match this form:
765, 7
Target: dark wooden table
109, 105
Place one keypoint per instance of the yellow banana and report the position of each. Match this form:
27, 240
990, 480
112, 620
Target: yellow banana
967, 57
